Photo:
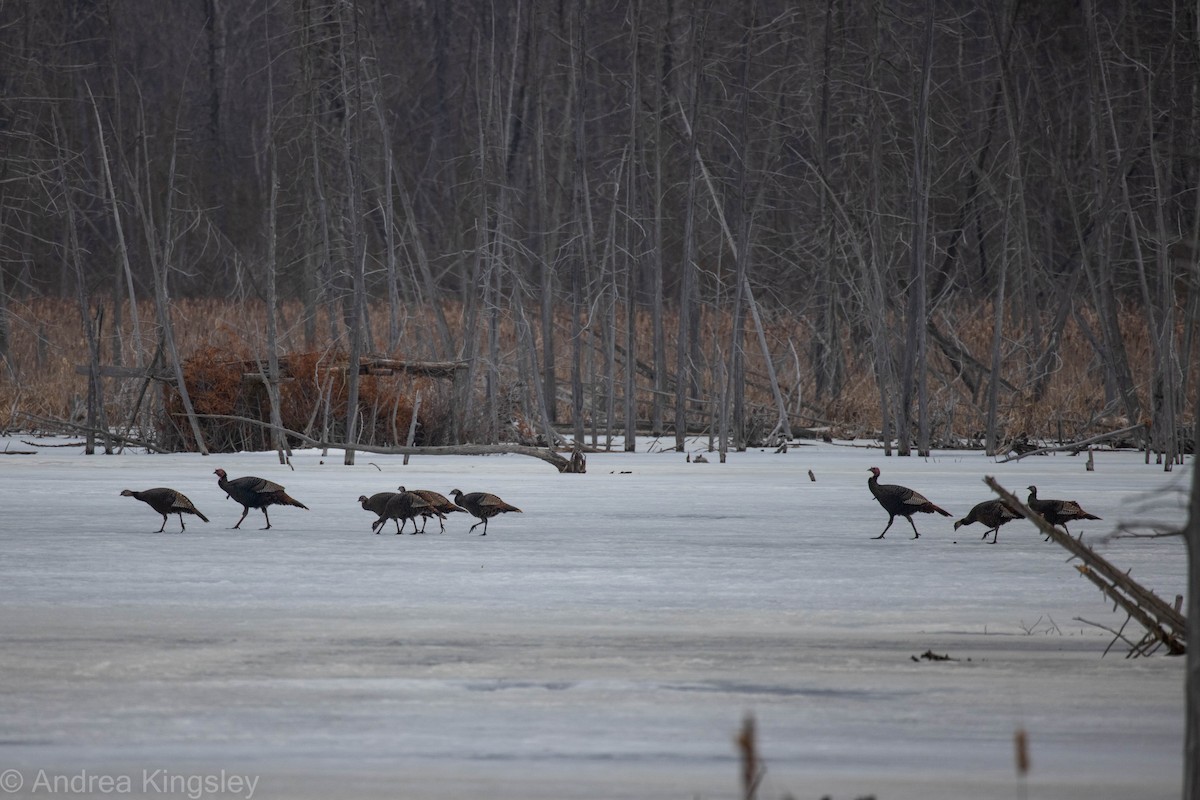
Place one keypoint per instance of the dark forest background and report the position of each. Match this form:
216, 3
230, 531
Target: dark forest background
933, 221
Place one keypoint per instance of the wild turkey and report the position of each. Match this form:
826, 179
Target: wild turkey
252, 492
402, 507
377, 504
900, 501
992, 513
1057, 512
439, 503
483, 506
166, 501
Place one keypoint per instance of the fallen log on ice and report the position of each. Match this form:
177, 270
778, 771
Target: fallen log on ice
576, 463
1073, 447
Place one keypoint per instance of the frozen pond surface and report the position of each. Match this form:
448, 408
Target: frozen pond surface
605, 643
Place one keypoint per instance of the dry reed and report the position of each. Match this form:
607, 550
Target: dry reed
47, 345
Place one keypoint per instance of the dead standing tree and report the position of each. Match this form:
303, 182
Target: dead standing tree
350, 74
1191, 535
270, 268
159, 227
72, 259
914, 372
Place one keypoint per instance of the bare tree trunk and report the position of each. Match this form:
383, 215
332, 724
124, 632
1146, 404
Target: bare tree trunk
543, 253
492, 381
582, 212
687, 290
349, 71
577, 349
915, 365
591, 353
736, 384
310, 269
486, 244
5, 325
1100, 267
1013, 197
539, 411
723, 387
549, 363
826, 346
324, 267
991, 434
214, 25
160, 243
1153, 325
633, 239
389, 225
1166, 395
686, 340
1191, 327
1191, 534
875, 267
278, 443
630, 390
610, 327
658, 325
658, 329
119, 230
96, 417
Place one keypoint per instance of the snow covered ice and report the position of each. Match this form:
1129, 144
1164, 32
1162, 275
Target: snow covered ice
605, 643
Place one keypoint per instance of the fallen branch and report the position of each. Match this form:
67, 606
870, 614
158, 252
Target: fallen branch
1118, 634
1074, 447
116, 437
1163, 622
545, 454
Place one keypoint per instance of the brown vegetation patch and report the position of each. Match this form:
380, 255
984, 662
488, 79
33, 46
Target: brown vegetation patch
219, 340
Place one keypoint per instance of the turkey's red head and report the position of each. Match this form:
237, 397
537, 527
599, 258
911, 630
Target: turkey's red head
220, 473
874, 471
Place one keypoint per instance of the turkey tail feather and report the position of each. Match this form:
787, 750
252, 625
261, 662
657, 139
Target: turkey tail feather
291, 501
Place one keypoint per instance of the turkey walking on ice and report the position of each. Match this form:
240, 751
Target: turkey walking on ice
377, 504
993, 514
252, 492
438, 503
166, 502
402, 507
483, 506
900, 501
1057, 512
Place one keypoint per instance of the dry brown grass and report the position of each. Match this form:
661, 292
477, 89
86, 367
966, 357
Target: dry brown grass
217, 336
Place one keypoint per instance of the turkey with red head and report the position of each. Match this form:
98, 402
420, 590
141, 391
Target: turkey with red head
900, 501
